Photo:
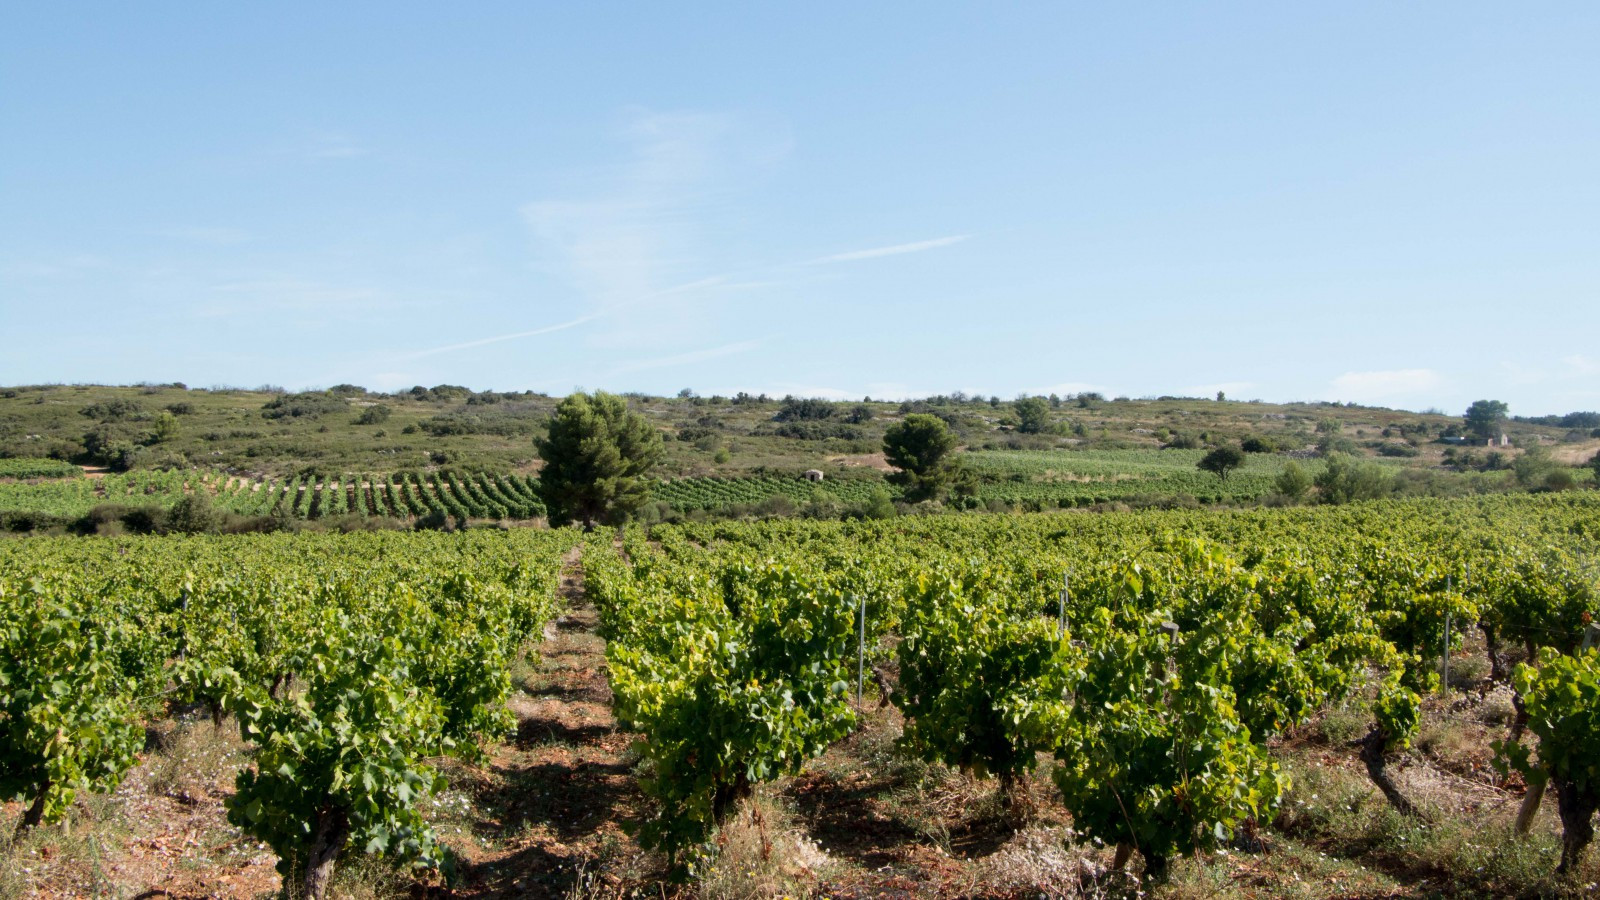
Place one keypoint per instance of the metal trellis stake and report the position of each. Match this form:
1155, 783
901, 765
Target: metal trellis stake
1061, 613
1444, 658
861, 652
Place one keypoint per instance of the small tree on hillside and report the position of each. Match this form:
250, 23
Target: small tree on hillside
1485, 417
1292, 482
1222, 461
596, 456
1033, 414
920, 446
1347, 480
166, 428
1533, 466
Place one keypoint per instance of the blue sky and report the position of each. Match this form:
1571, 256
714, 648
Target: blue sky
1386, 203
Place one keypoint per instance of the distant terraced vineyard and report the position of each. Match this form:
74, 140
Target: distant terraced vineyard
476, 495
458, 495
1017, 479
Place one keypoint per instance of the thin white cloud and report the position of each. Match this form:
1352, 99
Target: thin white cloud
892, 390
631, 234
1383, 385
515, 335
684, 359
52, 268
894, 250
1520, 374
389, 381
252, 296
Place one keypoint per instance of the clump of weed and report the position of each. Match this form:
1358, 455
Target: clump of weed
1464, 846
67, 856
759, 852
1496, 708
1039, 860
1455, 744
362, 876
1342, 724
193, 759
1467, 672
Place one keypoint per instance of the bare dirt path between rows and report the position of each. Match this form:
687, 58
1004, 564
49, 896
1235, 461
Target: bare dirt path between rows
550, 805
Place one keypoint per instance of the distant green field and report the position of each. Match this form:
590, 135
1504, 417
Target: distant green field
1086, 477
71, 498
27, 467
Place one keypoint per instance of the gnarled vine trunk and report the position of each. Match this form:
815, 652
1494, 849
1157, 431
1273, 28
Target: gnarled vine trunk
1375, 759
727, 796
1519, 722
1120, 860
35, 813
1497, 657
333, 829
1577, 809
1157, 867
1529, 808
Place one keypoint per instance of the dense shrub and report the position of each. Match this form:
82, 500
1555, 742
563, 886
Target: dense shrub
1346, 480
818, 431
804, 409
116, 409
296, 406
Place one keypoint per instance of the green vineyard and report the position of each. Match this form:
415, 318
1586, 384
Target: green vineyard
719, 493
411, 494
1087, 477
1154, 663
1103, 642
350, 663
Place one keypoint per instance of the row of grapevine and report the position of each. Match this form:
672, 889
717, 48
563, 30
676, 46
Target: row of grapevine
718, 493
399, 646
448, 493
32, 467
1216, 643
